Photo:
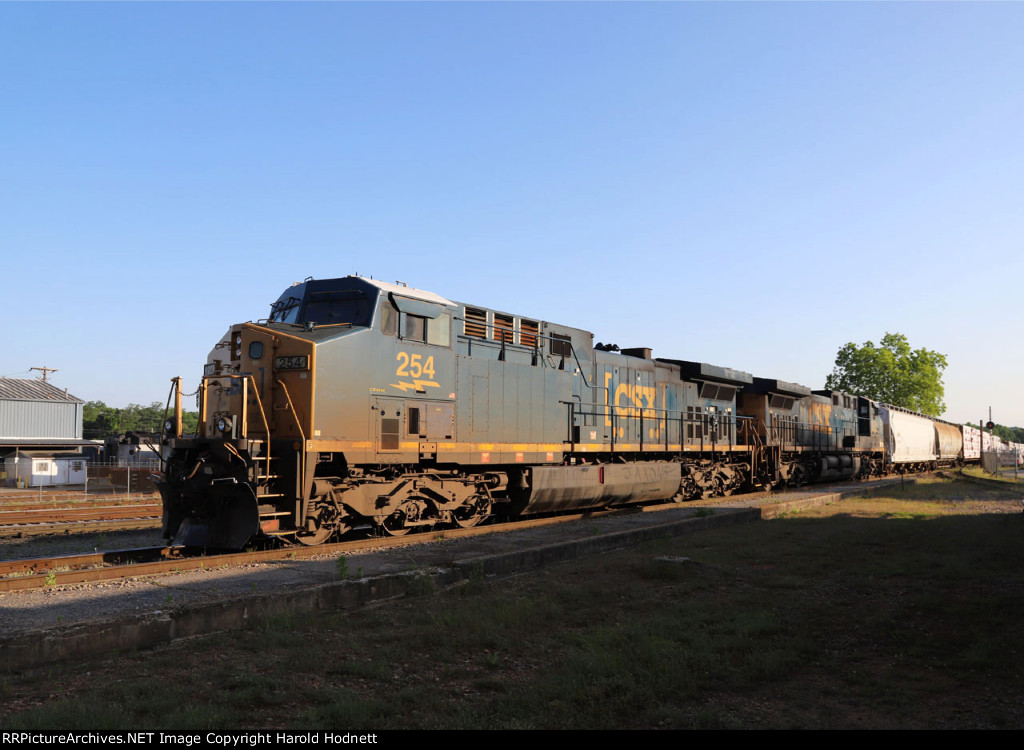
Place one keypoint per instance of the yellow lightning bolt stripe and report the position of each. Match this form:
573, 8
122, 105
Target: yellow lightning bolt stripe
415, 385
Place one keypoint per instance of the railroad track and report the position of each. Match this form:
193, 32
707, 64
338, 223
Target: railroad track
78, 519
76, 500
36, 573
42, 572
110, 496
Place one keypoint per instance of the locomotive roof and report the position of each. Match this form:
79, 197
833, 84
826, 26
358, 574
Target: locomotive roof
768, 385
703, 371
407, 291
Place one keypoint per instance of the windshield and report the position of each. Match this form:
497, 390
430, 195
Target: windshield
331, 308
314, 306
285, 310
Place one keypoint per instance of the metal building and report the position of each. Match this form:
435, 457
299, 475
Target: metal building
36, 414
39, 424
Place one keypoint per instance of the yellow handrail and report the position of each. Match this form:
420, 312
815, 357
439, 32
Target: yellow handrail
245, 415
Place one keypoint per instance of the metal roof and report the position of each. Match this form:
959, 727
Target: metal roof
43, 453
703, 371
407, 291
47, 442
768, 385
12, 389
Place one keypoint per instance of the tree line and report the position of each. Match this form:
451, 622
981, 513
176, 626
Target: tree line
100, 421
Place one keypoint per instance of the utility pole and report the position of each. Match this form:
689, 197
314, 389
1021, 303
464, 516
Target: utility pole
45, 370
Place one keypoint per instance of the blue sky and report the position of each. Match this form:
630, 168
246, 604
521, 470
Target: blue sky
747, 184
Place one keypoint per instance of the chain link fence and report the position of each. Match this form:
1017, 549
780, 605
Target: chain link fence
76, 474
1001, 462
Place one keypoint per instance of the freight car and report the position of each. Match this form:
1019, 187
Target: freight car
362, 402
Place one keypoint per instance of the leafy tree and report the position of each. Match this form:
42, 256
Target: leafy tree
893, 373
102, 421
98, 421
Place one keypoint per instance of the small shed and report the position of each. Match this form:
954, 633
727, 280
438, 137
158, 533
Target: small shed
44, 468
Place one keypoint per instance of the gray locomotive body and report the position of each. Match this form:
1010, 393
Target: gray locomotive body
361, 402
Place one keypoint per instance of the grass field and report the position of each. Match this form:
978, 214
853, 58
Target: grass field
900, 611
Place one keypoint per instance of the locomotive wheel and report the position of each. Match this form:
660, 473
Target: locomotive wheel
394, 524
319, 536
797, 477
328, 522
713, 488
688, 489
411, 511
473, 512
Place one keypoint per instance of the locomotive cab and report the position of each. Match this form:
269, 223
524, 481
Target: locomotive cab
302, 414
247, 470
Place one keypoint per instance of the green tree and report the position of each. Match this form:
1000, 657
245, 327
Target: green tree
893, 373
100, 421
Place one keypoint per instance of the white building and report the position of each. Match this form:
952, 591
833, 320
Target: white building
39, 424
44, 468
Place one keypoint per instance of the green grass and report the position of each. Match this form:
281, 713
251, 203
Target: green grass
882, 612
1005, 475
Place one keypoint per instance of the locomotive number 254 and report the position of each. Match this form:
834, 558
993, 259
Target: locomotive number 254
414, 366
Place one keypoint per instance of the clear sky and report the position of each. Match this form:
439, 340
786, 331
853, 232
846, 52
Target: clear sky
747, 184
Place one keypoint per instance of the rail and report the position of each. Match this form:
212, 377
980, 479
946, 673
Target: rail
654, 428
241, 427
302, 454
491, 341
790, 435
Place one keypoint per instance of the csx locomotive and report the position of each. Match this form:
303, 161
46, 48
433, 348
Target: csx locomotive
359, 402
